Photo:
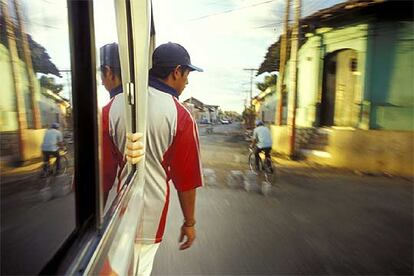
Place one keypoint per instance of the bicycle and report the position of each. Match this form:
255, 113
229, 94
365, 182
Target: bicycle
54, 180
50, 169
265, 165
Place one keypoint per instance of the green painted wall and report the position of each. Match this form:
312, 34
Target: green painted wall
384, 85
308, 78
391, 89
310, 75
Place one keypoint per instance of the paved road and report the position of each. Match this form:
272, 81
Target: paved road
34, 221
315, 221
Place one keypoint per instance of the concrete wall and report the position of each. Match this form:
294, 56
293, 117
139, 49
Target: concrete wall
9, 144
280, 139
33, 142
372, 151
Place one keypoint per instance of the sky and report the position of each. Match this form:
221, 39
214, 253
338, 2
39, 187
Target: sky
223, 37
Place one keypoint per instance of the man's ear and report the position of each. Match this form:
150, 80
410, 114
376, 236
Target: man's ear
176, 72
108, 73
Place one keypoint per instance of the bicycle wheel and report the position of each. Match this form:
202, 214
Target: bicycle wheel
64, 164
252, 163
268, 165
268, 169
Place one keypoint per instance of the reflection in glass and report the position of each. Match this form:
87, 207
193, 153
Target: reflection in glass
37, 200
112, 105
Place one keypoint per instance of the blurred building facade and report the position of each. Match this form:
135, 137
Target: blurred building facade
265, 105
355, 100
26, 108
202, 112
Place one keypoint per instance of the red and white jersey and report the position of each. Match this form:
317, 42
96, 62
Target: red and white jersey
172, 156
113, 146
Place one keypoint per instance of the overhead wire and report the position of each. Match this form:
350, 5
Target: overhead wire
231, 10
312, 7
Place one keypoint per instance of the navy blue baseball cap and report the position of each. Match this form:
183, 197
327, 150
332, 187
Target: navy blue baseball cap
172, 54
110, 55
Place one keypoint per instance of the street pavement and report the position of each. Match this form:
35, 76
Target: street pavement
37, 216
315, 220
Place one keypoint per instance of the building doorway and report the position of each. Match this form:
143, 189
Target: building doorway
339, 89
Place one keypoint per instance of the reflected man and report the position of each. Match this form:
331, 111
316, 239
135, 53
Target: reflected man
113, 125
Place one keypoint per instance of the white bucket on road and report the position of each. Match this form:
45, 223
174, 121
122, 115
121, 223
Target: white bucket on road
266, 188
209, 177
250, 182
45, 194
235, 179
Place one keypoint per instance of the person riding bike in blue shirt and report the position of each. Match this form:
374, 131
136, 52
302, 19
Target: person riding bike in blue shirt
262, 139
52, 142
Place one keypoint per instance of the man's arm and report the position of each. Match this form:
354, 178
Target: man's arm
60, 142
187, 202
254, 139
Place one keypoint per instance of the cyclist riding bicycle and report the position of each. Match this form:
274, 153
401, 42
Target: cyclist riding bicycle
52, 142
262, 141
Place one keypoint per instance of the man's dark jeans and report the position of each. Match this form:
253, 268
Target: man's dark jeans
259, 150
46, 156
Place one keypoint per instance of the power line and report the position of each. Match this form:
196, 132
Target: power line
231, 10
271, 25
251, 82
312, 7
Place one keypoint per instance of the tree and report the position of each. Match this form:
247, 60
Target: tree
49, 83
268, 81
249, 116
40, 57
272, 57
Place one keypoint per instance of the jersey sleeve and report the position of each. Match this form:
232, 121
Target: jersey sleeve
185, 163
117, 124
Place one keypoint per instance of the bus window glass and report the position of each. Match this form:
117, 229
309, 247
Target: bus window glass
111, 103
37, 198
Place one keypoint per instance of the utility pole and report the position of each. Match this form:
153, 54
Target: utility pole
282, 66
18, 90
29, 67
252, 70
293, 79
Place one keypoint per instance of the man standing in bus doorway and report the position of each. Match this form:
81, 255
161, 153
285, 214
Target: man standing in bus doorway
113, 125
172, 154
